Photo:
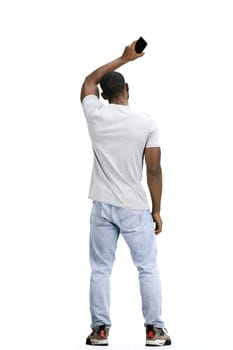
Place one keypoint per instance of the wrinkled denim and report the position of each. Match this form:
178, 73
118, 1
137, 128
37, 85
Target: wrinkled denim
107, 222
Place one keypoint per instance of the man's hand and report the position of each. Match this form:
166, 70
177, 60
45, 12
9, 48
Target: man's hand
158, 221
130, 54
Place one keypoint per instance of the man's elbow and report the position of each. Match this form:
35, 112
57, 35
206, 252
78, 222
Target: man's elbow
155, 172
89, 88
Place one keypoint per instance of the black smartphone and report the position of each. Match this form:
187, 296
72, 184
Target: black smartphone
140, 45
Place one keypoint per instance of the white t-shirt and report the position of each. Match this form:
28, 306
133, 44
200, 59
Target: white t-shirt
119, 136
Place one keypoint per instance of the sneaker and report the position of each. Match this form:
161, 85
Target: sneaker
157, 336
99, 336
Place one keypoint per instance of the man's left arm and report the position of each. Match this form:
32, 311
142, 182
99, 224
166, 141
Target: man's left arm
90, 84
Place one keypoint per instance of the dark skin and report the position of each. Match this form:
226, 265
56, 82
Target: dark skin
154, 181
152, 154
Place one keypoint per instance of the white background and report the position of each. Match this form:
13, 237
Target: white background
185, 80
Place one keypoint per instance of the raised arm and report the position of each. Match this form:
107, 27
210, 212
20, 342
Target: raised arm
90, 84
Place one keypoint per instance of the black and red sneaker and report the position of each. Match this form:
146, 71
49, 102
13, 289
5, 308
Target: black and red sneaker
157, 336
99, 336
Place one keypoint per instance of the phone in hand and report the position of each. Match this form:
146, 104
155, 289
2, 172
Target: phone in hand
140, 45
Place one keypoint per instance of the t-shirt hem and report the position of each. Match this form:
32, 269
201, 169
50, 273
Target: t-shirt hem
117, 204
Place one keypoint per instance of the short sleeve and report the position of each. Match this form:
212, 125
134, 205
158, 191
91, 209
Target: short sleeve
90, 104
153, 135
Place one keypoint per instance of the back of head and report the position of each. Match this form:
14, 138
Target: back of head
112, 84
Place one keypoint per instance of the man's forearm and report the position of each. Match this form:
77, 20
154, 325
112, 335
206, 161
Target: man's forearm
154, 182
98, 73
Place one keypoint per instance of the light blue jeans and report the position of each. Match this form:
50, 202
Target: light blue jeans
137, 227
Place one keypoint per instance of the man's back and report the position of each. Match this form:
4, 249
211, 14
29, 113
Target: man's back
119, 136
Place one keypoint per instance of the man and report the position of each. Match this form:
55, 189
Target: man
121, 137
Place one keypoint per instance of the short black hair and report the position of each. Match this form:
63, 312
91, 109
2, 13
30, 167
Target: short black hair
112, 83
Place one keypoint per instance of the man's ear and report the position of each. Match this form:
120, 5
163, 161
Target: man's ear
127, 89
104, 96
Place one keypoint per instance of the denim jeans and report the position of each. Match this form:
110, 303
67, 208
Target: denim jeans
137, 228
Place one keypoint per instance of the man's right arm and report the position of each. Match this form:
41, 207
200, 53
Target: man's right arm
90, 84
154, 181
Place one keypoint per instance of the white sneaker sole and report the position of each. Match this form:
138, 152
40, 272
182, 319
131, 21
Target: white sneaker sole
158, 342
97, 342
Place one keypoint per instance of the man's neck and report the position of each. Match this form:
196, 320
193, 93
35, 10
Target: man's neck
120, 101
